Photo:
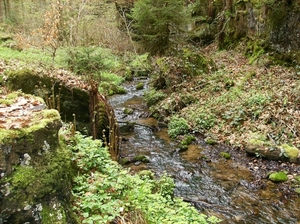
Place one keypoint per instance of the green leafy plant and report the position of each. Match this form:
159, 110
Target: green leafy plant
85, 61
205, 120
152, 97
177, 126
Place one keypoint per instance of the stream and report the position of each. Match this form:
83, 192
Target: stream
224, 188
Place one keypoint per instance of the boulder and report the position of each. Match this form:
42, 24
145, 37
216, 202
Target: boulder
35, 170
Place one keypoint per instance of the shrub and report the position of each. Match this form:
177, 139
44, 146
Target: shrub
152, 97
205, 121
155, 23
177, 126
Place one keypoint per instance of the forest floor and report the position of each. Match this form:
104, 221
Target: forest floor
241, 103
263, 100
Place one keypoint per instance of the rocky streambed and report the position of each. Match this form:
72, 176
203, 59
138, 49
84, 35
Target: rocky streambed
237, 190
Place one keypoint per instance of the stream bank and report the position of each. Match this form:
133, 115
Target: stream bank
235, 190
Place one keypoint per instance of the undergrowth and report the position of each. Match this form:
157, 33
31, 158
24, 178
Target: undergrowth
106, 192
235, 100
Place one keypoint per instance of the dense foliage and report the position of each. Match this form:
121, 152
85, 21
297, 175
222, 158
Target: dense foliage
156, 23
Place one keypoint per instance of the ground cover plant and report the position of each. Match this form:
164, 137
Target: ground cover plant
104, 191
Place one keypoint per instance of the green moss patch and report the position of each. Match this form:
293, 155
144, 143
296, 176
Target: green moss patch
278, 177
225, 155
141, 158
290, 152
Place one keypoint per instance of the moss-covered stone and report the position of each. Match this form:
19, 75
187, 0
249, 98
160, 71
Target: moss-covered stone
129, 126
188, 139
139, 86
141, 158
36, 170
291, 152
33, 133
68, 100
128, 111
124, 161
225, 155
210, 141
278, 177
183, 147
257, 139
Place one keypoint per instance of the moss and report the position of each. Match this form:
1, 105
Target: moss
46, 176
278, 177
124, 161
254, 51
40, 121
291, 152
10, 98
139, 86
129, 126
257, 139
225, 155
141, 158
46, 182
183, 148
257, 142
188, 139
111, 89
297, 178
128, 110
210, 141
26, 81
55, 215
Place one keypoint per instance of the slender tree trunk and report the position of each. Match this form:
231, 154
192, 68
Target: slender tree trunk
6, 8
1, 11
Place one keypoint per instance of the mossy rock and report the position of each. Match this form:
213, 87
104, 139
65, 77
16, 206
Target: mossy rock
225, 155
188, 139
128, 111
141, 158
278, 177
68, 100
139, 86
291, 152
40, 192
183, 148
128, 127
35, 132
210, 141
258, 140
124, 161
35, 168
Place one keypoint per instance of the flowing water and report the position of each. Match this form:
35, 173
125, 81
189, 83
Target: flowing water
215, 186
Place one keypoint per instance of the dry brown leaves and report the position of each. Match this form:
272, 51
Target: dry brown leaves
279, 121
19, 114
